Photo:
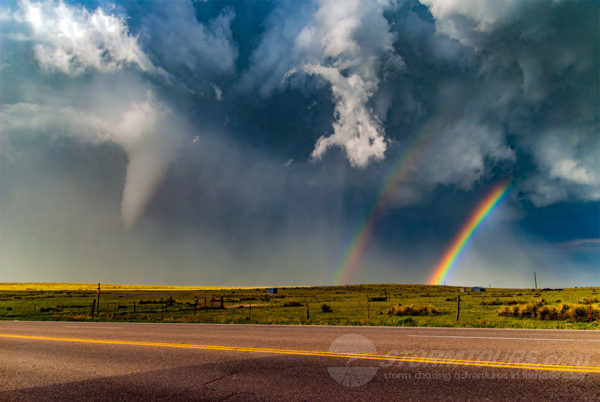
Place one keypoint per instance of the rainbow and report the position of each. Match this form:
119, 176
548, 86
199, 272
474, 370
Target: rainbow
483, 210
348, 269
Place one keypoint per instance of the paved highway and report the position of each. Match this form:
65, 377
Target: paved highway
133, 361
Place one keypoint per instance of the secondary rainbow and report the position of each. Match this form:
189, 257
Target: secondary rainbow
348, 269
481, 212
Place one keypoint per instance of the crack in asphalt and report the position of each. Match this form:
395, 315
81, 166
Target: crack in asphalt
205, 385
237, 393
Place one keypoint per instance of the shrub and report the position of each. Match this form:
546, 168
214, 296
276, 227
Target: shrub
578, 313
539, 310
292, 304
588, 300
406, 322
547, 313
326, 308
498, 302
412, 309
48, 309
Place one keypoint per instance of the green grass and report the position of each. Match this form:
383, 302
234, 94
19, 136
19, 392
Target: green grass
349, 305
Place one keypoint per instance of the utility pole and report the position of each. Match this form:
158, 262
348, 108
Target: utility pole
535, 280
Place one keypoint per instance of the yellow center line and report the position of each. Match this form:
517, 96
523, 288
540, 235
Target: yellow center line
414, 359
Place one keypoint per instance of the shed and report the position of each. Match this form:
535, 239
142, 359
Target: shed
271, 291
477, 289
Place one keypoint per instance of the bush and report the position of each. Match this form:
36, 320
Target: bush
48, 309
406, 322
414, 310
292, 304
577, 312
586, 300
326, 308
498, 302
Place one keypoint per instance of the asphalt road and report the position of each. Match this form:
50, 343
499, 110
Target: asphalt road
132, 361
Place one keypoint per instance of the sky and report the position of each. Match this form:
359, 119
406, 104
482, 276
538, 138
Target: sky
299, 143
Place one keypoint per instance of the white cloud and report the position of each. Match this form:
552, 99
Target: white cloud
568, 162
483, 14
459, 152
71, 39
348, 45
218, 92
179, 39
354, 129
281, 50
571, 170
354, 40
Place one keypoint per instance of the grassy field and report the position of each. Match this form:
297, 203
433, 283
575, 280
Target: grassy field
401, 305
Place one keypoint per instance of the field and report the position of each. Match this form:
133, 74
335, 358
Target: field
374, 304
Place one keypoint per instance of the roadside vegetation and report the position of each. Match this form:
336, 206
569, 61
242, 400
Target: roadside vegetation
411, 309
542, 311
389, 305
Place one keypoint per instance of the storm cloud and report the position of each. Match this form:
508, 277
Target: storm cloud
230, 142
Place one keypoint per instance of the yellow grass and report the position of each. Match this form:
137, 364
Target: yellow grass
7, 286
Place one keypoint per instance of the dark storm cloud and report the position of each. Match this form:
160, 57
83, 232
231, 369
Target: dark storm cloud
240, 142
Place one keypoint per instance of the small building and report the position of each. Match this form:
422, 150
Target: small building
462, 290
477, 289
271, 291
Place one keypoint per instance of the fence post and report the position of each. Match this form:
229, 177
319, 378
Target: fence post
250, 316
195, 305
93, 307
457, 307
307, 312
133, 307
98, 303
368, 309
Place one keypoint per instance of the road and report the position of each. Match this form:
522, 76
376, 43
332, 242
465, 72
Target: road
139, 361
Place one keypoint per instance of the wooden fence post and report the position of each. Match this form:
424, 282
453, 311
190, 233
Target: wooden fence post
307, 312
457, 307
98, 303
93, 307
